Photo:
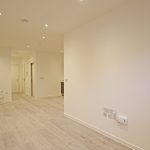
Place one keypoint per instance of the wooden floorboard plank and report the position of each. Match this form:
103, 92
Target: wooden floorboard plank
39, 124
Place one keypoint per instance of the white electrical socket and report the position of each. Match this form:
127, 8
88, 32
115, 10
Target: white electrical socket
110, 113
122, 120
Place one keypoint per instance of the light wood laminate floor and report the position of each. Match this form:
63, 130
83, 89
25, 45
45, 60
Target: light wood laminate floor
28, 124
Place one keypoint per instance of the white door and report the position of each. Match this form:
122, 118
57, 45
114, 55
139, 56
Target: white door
15, 78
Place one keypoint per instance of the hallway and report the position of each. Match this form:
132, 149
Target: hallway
28, 124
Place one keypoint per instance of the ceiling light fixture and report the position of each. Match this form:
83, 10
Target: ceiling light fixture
46, 25
43, 37
81, 0
0, 13
28, 46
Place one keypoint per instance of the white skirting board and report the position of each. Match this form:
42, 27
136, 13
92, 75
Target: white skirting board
114, 138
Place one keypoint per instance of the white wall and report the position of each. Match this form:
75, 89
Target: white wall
5, 74
49, 73
17, 60
107, 64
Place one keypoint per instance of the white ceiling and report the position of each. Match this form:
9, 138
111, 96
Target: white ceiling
60, 15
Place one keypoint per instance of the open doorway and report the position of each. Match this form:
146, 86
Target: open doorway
33, 79
17, 75
23, 73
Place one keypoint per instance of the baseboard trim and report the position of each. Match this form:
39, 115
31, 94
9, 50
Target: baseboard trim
52, 96
110, 136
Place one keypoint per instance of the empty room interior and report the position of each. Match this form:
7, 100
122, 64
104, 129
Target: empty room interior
74, 75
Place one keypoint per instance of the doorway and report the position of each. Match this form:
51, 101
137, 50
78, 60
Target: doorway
32, 79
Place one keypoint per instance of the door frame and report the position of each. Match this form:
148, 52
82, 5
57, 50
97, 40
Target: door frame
32, 84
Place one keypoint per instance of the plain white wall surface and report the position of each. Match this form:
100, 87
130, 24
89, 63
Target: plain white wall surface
17, 67
5, 73
49, 73
107, 64
15, 82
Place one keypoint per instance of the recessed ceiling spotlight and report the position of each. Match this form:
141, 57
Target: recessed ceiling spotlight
28, 46
0, 13
81, 0
46, 25
43, 37
24, 20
